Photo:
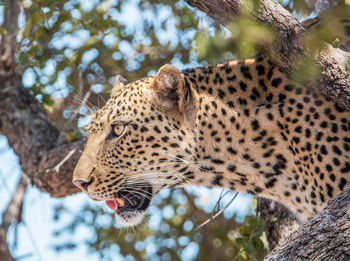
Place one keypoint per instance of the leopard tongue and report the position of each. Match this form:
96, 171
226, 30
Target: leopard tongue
112, 204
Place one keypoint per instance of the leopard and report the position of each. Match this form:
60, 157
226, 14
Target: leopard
242, 125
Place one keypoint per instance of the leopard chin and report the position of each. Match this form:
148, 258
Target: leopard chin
130, 218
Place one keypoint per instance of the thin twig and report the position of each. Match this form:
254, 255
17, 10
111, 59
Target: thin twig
217, 214
24, 256
57, 168
217, 205
80, 82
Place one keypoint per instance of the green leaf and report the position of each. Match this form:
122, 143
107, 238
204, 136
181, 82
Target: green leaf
3, 31
48, 100
245, 231
36, 18
23, 58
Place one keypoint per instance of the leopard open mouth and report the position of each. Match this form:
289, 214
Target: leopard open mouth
136, 199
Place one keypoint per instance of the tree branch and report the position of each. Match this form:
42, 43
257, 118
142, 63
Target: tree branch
33, 137
29, 131
334, 79
56, 169
26, 124
288, 30
279, 221
8, 46
325, 237
12, 213
288, 47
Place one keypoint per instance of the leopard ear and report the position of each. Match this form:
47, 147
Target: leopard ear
169, 87
119, 82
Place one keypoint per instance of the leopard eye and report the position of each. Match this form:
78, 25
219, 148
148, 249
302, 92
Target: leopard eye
117, 131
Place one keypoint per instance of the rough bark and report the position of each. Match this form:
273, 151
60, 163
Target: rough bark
27, 125
7, 47
334, 79
288, 30
33, 136
279, 221
288, 46
325, 237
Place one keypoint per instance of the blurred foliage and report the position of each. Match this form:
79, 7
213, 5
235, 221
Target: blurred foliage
70, 47
168, 233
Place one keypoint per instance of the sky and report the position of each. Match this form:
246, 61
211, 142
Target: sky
34, 237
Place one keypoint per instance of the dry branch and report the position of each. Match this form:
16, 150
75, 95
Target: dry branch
12, 213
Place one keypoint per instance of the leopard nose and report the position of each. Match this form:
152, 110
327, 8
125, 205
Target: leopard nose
83, 184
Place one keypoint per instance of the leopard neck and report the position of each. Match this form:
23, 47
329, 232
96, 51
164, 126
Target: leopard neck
236, 126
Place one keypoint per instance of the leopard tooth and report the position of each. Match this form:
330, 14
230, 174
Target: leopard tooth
120, 202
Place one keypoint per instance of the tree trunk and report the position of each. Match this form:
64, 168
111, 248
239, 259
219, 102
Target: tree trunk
325, 237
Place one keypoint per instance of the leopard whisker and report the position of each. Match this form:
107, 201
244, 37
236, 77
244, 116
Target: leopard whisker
186, 162
152, 166
141, 176
156, 180
138, 193
129, 199
79, 101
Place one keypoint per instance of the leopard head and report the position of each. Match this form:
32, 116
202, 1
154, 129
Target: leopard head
139, 143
